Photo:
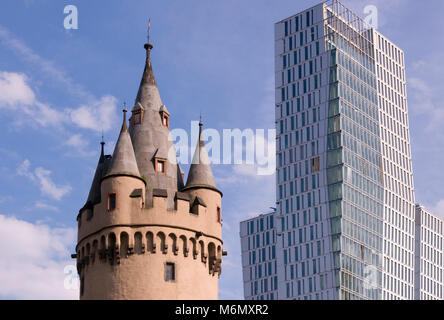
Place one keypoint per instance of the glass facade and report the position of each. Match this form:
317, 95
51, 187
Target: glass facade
345, 221
354, 173
258, 244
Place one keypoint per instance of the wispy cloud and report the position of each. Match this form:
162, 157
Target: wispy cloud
45, 206
94, 113
79, 143
98, 115
34, 257
42, 177
17, 96
46, 67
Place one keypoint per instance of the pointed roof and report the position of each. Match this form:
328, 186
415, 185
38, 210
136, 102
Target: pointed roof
151, 139
148, 94
200, 174
123, 161
94, 192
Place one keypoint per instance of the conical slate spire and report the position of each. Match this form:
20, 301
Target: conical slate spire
200, 174
148, 95
151, 138
124, 160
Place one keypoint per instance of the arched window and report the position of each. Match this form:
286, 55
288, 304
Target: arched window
172, 241
161, 239
102, 252
94, 250
112, 248
211, 257
151, 246
88, 252
139, 248
124, 243
202, 251
194, 247
184, 245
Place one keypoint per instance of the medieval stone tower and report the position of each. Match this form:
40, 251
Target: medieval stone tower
142, 233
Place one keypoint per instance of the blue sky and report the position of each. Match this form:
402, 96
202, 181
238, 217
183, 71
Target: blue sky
60, 88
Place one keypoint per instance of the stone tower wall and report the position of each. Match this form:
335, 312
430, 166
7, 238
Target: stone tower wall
122, 254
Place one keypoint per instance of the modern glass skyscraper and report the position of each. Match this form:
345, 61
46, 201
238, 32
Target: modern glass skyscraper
429, 254
259, 264
345, 201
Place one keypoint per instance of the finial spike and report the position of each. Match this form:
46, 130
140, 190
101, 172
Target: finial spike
124, 125
148, 30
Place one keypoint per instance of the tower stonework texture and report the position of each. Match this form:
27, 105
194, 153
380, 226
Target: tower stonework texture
142, 233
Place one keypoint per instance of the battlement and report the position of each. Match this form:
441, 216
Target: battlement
194, 210
113, 245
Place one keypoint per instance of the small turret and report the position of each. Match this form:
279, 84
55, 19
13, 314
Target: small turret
124, 160
200, 174
122, 178
201, 186
94, 192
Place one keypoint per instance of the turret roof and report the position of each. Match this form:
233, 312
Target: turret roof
124, 160
200, 174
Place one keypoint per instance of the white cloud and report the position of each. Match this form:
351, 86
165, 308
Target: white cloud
33, 260
42, 177
98, 115
80, 145
46, 67
14, 90
23, 170
48, 187
77, 141
45, 206
95, 114
16, 95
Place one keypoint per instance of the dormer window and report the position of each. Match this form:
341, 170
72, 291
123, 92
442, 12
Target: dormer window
160, 166
165, 120
137, 114
165, 116
136, 117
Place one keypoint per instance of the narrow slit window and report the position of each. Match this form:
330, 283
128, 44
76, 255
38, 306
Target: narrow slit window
219, 218
112, 201
170, 271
